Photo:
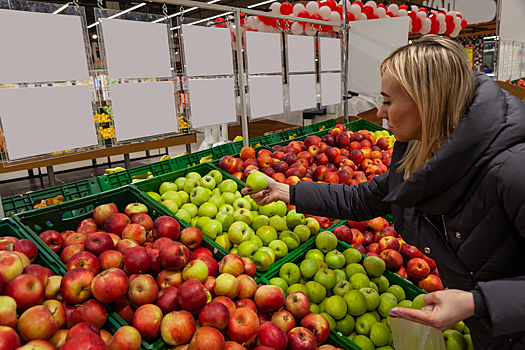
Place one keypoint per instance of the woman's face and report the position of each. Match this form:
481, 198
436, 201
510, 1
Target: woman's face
400, 111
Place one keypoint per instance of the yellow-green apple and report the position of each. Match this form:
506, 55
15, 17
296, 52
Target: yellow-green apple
167, 300
191, 295
196, 269
92, 311
165, 226
143, 290
52, 288
36, 323
227, 302
431, 283
213, 266
417, 269
207, 338
8, 315
42, 273
9, 339
27, 247
124, 310
37, 345
52, 239
232, 264
248, 286
110, 285
59, 338
85, 260
272, 336
87, 230
249, 267
125, 244
174, 256
177, 327
191, 237
10, 265
160, 242
143, 219
135, 232
137, 260
135, 208
284, 319
247, 303
69, 251
26, 290
74, 238
125, 338
227, 285
269, 298
102, 212
388, 242
147, 320
169, 278
57, 311
116, 223
319, 326
111, 259
85, 341
7, 240
298, 304
214, 314
76, 285
243, 326
301, 338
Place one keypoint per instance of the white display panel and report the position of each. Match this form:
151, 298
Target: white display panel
266, 95
370, 43
263, 52
330, 54
301, 53
143, 109
330, 88
38, 121
41, 47
212, 101
207, 51
303, 94
136, 49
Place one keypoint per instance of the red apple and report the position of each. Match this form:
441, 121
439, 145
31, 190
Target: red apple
166, 226
124, 245
26, 290
143, 219
247, 303
342, 141
83, 327
147, 320
357, 236
42, 273
116, 223
228, 164
298, 304
174, 255
135, 232
331, 177
87, 230
155, 267
169, 278
207, 338
111, 259
243, 326
9, 339
251, 161
125, 338
86, 260
214, 314
226, 302
268, 171
248, 286
368, 238
373, 254
289, 158
52, 239
191, 295
135, 208
59, 338
143, 290
280, 167
213, 266
392, 259
320, 172
431, 283
264, 160
85, 341
76, 285
191, 237
328, 139
110, 285
359, 247
272, 336
167, 300
277, 155
321, 159
209, 284
281, 178
247, 153
410, 252
269, 298
431, 263
159, 242
402, 272
418, 268
102, 212
27, 247
382, 233
232, 264
92, 311
293, 172
343, 233
36, 323
177, 327
312, 140
74, 238
332, 168
359, 225
124, 310
264, 317
284, 319
388, 242
137, 260
318, 325
301, 338
202, 251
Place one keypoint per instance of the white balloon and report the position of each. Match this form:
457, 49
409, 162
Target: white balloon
456, 31
440, 17
297, 28
427, 23
276, 7
425, 30
312, 8
402, 13
393, 8
457, 21
348, 4
325, 12
261, 27
451, 13
252, 23
274, 30
298, 8
334, 17
362, 17
381, 12
309, 29
355, 10
410, 21
459, 14
442, 27
371, 4
422, 15
414, 8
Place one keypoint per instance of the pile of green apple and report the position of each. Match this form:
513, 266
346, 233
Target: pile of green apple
215, 206
351, 293
458, 337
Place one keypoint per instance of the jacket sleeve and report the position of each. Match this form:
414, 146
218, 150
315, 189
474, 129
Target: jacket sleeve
504, 298
357, 203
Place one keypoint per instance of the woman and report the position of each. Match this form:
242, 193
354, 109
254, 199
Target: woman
456, 188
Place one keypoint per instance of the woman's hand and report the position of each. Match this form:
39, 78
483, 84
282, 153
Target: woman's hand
274, 192
443, 309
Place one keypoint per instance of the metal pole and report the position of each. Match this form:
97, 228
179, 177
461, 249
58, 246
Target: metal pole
2, 215
51, 176
127, 161
240, 71
345, 65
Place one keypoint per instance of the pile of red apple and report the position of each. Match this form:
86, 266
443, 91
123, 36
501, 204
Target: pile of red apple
377, 237
342, 156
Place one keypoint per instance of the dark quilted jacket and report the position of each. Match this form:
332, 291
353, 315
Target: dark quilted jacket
466, 207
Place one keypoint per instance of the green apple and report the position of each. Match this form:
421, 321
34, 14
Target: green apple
321, 305
167, 186
208, 209
217, 176
314, 254
374, 286
257, 181
199, 196
226, 220
382, 283
336, 307
297, 287
260, 221
281, 208
342, 287
216, 192
180, 182
293, 219
190, 185
209, 191
241, 203
257, 240
356, 302
313, 225
468, 338
374, 266
228, 197
321, 264
266, 234
329, 293
308, 268
330, 320
316, 291
376, 315
346, 325
191, 208
243, 215
372, 298
352, 336
326, 277
418, 303
172, 195
399, 293
193, 175
326, 241
247, 249
211, 229
253, 205
155, 196
171, 205
405, 303
388, 296
228, 185
363, 324
385, 305
460, 326
354, 268
262, 260
279, 247
363, 342
195, 220
269, 251
360, 280
224, 242
314, 308
335, 259
183, 215
290, 273
278, 223
238, 232
234, 251
269, 209
254, 214
340, 275
454, 340
184, 196
291, 240
238, 195
352, 256
227, 208
279, 282
202, 221
217, 200
302, 232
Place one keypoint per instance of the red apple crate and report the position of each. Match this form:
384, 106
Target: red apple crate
236, 155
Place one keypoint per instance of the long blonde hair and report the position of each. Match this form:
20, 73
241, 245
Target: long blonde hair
435, 72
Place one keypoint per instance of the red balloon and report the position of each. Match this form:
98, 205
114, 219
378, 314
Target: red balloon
434, 28
450, 28
416, 25
381, 5
357, 2
422, 9
390, 14
339, 10
459, 15
350, 17
368, 11
463, 23
286, 8
243, 18
316, 17
403, 7
220, 23
326, 29
412, 15
332, 4
303, 14
449, 19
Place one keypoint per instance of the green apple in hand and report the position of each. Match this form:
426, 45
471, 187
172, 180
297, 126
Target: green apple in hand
262, 260
191, 208
184, 196
227, 208
217, 176
247, 248
180, 182
336, 307
228, 185
228, 197
293, 219
335, 259
183, 215
290, 273
468, 338
316, 292
193, 175
313, 225
217, 200
239, 232
226, 220
260, 221
208, 182
167, 186
208, 209
211, 229
278, 223
257, 181
279, 282
279, 247
266, 234
199, 196
190, 185
314, 254
171, 205
308, 268
418, 303
291, 239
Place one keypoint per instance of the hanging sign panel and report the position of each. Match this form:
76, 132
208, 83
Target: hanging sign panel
303, 94
41, 47
301, 53
263, 53
212, 101
266, 95
330, 54
330, 88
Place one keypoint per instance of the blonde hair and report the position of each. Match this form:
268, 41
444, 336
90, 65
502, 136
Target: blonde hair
435, 72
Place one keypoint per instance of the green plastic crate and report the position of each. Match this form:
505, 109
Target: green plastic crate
236, 155
192, 159
72, 191
317, 126
363, 124
290, 135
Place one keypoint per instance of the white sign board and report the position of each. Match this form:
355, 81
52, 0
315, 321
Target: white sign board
301, 53
212, 101
303, 94
330, 88
266, 95
263, 53
330, 54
